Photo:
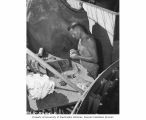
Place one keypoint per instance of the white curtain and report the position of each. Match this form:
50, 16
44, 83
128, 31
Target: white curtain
103, 17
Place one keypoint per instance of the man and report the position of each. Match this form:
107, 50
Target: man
87, 52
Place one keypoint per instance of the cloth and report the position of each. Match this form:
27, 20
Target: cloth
101, 16
76, 4
39, 86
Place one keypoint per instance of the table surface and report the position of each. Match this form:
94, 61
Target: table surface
62, 95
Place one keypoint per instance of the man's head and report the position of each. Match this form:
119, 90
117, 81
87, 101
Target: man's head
77, 30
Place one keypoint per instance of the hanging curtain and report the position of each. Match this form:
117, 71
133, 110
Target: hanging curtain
103, 17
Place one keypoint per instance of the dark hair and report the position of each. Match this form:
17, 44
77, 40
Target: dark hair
75, 24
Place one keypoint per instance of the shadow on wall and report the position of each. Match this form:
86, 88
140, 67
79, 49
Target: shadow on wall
32, 43
47, 22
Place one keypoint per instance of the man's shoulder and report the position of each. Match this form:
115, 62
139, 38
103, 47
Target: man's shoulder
91, 41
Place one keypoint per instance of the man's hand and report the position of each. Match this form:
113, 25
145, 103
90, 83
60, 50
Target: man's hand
72, 51
74, 54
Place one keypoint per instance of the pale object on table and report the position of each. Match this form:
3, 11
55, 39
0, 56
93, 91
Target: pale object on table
39, 86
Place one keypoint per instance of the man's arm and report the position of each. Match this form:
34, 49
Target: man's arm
87, 59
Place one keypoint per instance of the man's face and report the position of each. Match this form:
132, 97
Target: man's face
75, 33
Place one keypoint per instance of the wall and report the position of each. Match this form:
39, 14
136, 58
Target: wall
47, 22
